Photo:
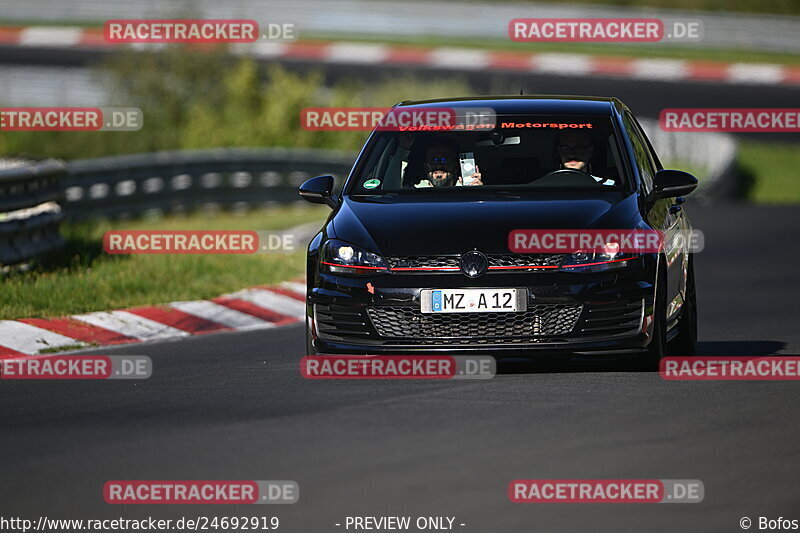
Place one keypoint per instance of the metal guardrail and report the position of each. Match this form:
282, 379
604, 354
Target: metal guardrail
29, 210
169, 182
34, 198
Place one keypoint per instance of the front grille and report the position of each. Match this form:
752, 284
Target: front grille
496, 262
525, 260
540, 320
424, 261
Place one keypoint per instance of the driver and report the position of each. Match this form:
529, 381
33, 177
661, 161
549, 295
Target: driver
576, 149
441, 166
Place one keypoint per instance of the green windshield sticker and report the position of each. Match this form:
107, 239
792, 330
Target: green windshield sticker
372, 184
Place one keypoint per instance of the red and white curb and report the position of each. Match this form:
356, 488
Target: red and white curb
461, 59
255, 308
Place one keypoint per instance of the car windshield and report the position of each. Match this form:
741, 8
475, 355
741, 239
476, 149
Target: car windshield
547, 152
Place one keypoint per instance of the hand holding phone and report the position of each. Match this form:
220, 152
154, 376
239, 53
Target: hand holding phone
468, 168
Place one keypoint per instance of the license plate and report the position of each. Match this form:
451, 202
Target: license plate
472, 300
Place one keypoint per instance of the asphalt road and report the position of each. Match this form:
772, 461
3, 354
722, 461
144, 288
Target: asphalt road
233, 406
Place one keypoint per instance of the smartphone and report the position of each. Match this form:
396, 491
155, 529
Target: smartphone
467, 160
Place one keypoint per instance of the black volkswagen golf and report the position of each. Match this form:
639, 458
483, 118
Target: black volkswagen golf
415, 256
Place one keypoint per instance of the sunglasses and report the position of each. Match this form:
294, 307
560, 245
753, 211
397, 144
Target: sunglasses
440, 160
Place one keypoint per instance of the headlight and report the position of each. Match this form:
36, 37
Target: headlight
608, 259
339, 257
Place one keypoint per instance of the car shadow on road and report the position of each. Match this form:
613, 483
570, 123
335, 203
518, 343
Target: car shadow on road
544, 365
739, 348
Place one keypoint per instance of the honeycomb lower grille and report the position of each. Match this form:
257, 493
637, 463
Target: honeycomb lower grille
541, 320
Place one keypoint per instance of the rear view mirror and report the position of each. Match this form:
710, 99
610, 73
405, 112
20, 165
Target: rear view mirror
319, 190
497, 139
672, 183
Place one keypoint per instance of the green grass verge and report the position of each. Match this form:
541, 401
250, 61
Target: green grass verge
772, 168
82, 278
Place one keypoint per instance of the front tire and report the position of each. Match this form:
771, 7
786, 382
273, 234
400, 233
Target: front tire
685, 343
656, 350
310, 350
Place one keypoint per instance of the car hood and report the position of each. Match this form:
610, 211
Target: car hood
433, 226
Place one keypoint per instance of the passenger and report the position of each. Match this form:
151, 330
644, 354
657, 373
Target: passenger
442, 168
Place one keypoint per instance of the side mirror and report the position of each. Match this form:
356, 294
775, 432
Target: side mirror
319, 190
672, 183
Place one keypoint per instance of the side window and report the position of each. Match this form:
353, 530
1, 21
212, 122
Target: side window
653, 156
642, 154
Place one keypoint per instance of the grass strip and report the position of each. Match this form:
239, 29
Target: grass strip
82, 278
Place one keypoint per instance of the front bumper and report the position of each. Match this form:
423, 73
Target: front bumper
568, 312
